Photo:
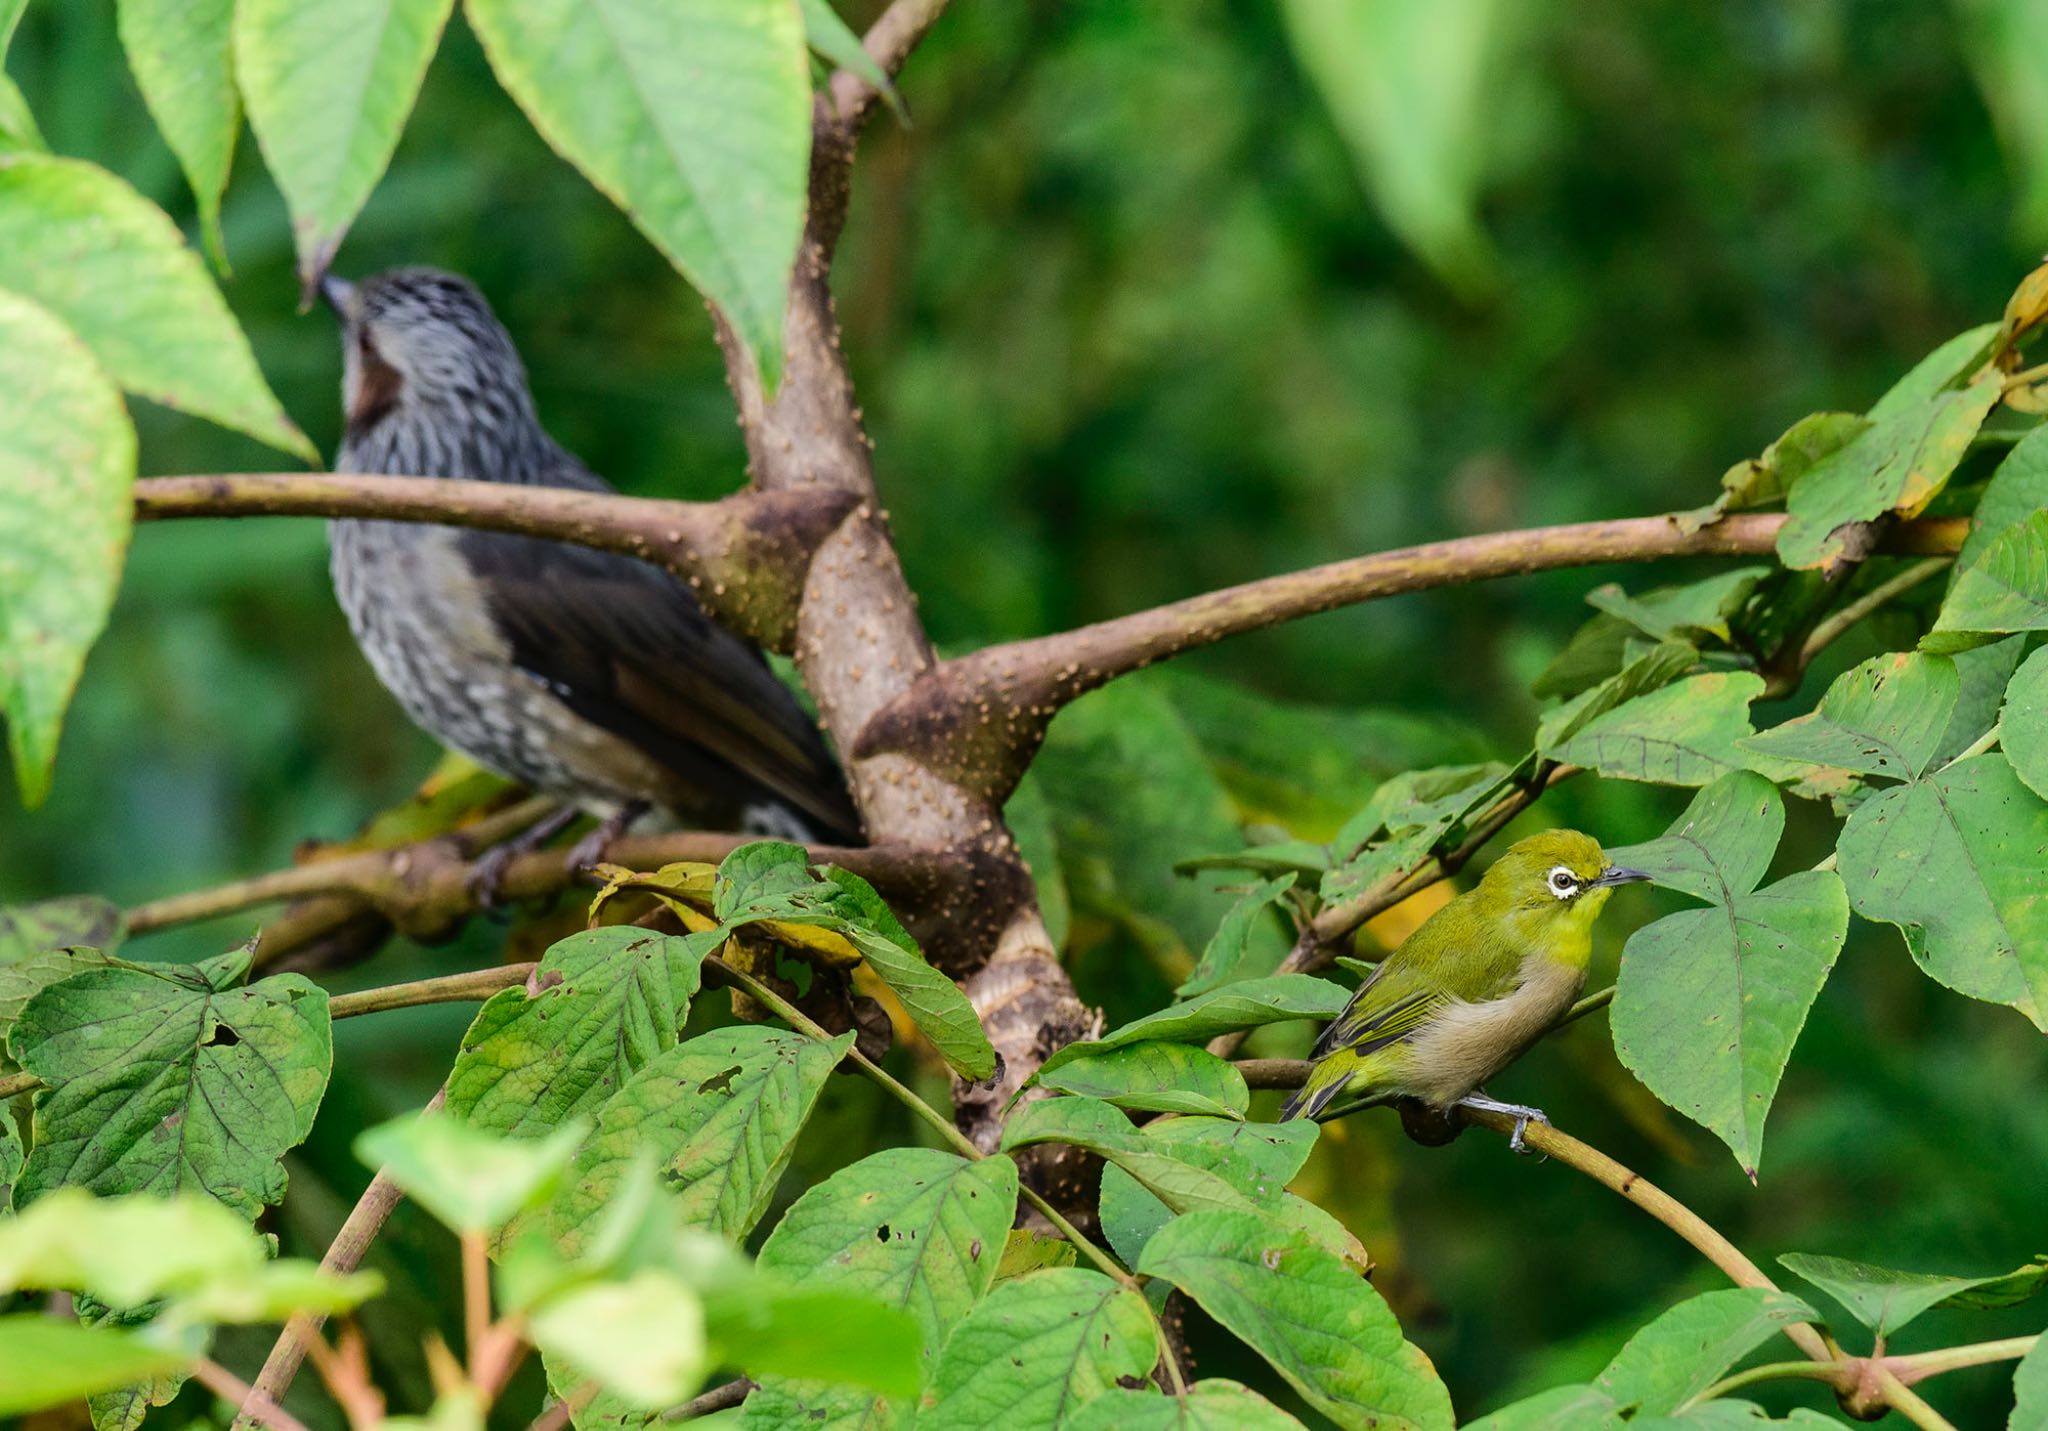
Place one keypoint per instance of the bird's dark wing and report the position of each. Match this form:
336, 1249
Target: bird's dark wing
626, 646
1388, 1007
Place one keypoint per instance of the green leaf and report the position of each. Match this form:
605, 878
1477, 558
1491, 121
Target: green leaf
608, 1001
913, 1227
1759, 481
50, 1362
1985, 672
78, 920
1884, 717
328, 88
114, 269
642, 1337
1710, 1002
2017, 490
1247, 1004
1038, 1349
2030, 1390
2009, 1289
470, 1179
10, 1155
693, 116
1683, 734
1688, 1348
1412, 90
165, 1077
1223, 957
1562, 1408
827, 34
1183, 1187
1955, 861
181, 52
2023, 725
17, 124
2006, 589
1693, 613
1652, 670
1210, 1405
1597, 650
1158, 1078
719, 1115
772, 881
765, 1327
67, 477
126, 1252
1030, 1250
1258, 1159
1882, 1298
1319, 1324
1918, 433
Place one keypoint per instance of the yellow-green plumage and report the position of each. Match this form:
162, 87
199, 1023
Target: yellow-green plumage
1472, 988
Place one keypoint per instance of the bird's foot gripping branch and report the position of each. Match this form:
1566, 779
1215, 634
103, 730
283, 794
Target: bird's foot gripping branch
1096, 1203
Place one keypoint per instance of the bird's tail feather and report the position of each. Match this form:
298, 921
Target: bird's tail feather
1326, 1080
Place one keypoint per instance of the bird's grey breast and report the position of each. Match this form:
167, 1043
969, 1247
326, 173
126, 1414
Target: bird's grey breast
422, 622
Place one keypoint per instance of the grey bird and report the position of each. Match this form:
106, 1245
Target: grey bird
581, 674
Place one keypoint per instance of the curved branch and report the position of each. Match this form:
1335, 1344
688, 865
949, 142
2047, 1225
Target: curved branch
744, 555
979, 719
426, 888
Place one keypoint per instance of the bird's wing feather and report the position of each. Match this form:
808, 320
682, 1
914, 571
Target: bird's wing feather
1412, 985
626, 646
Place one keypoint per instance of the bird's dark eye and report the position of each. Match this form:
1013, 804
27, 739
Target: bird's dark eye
1563, 882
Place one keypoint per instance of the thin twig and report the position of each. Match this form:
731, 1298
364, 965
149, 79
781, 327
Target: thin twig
471, 986
1917, 1365
889, 41
235, 1391
1828, 631
345, 1254
1836, 1374
718, 1398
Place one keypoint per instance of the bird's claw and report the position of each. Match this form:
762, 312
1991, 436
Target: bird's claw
487, 879
1521, 1113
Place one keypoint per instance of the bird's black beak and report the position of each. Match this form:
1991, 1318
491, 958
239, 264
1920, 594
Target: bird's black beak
1618, 874
340, 295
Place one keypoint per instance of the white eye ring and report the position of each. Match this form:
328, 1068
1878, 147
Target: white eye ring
1563, 883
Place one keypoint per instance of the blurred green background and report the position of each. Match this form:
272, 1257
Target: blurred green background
1144, 304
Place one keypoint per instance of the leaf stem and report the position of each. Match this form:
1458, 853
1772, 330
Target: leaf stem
1976, 747
1834, 1373
16, 1084
470, 986
1916, 1365
476, 1296
1831, 629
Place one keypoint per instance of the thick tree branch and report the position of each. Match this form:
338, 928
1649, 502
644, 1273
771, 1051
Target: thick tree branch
744, 555
979, 719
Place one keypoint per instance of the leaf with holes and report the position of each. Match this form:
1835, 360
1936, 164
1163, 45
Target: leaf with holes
67, 476
1318, 1323
1248, 1004
601, 1005
1955, 861
181, 52
693, 116
719, 1115
1039, 1348
1682, 734
1709, 1002
329, 87
168, 1077
115, 270
1884, 717
913, 1227
1687, 1349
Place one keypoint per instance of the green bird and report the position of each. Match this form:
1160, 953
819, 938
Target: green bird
1470, 990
